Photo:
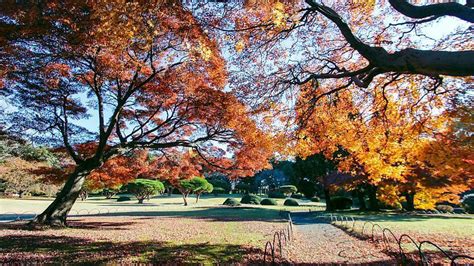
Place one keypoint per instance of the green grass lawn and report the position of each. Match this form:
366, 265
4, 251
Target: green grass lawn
208, 206
456, 225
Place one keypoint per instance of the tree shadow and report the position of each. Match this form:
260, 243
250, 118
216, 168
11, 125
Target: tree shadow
214, 214
33, 249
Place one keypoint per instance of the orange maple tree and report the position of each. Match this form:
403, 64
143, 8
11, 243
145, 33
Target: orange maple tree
149, 72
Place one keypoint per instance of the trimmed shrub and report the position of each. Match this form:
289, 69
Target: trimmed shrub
251, 199
144, 188
276, 195
288, 189
468, 203
297, 196
341, 203
445, 208
268, 202
218, 190
291, 202
315, 199
123, 198
231, 202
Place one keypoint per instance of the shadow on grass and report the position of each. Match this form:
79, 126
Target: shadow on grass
216, 214
34, 249
397, 216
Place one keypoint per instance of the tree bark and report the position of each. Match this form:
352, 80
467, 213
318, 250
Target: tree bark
56, 213
327, 195
197, 197
140, 200
185, 198
454, 9
373, 202
410, 196
361, 197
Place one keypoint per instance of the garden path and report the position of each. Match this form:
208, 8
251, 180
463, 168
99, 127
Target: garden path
317, 241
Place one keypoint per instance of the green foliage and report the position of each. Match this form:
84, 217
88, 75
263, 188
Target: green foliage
218, 190
40, 154
144, 188
251, 199
219, 180
468, 203
288, 189
315, 199
445, 208
291, 202
124, 198
268, 202
308, 188
341, 203
242, 187
231, 202
276, 195
13, 147
200, 185
297, 196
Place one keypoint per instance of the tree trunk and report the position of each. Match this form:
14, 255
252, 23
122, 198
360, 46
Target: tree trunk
361, 197
327, 195
140, 200
410, 196
197, 197
373, 202
185, 198
56, 213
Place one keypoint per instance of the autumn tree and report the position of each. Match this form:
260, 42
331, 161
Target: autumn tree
358, 44
403, 151
151, 76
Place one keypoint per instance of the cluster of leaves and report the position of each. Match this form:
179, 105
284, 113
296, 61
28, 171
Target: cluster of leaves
408, 149
19, 162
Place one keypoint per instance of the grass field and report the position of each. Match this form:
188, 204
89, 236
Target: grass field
163, 230
159, 206
450, 232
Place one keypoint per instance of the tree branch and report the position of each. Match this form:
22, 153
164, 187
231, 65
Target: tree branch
442, 9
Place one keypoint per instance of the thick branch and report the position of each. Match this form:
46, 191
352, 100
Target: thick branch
442, 9
407, 61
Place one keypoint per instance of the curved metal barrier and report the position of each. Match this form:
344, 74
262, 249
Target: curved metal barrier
281, 239
401, 253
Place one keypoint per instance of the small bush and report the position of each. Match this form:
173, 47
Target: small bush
288, 189
391, 206
445, 208
231, 202
268, 202
251, 199
123, 198
297, 196
291, 202
315, 199
341, 203
218, 190
468, 203
276, 195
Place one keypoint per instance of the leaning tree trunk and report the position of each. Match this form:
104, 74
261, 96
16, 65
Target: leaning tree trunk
197, 197
56, 213
185, 198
